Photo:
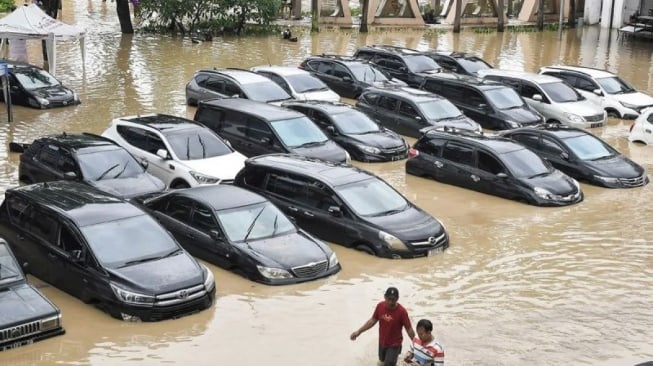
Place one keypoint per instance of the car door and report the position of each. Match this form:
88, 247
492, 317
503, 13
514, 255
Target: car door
173, 212
260, 139
387, 113
233, 90
324, 71
528, 91
587, 87
430, 159
394, 67
208, 241
492, 177
46, 164
213, 87
323, 121
42, 230
143, 145
68, 255
344, 79
458, 160
18, 93
409, 120
476, 107
559, 156
318, 216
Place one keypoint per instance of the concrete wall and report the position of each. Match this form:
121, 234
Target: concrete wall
623, 9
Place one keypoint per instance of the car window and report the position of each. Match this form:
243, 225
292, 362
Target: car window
473, 64
321, 119
528, 140
18, 210
254, 177
388, 103
370, 98
200, 79
319, 197
431, 147
615, 85
49, 155
586, 84
277, 79
196, 143
258, 130
589, 147
447, 64
437, 109
528, 90
551, 147
458, 154
69, 243
202, 219
233, 123
406, 109
473, 97
211, 118
214, 84
451, 92
649, 119
340, 71
323, 67
231, 89
179, 208
571, 79
366, 73
354, 122
366, 55
420, 63
9, 269
515, 84
524, 163
291, 187
265, 91
67, 163
140, 138
489, 163
43, 226
389, 62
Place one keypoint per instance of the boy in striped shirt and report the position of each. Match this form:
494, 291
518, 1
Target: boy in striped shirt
425, 351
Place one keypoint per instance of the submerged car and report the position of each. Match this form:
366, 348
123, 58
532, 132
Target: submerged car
92, 159
34, 87
641, 130
298, 83
241, 231
492, 165
103, 250
581, 155
26, 316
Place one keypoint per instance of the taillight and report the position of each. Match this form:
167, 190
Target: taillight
631, 127
412, 152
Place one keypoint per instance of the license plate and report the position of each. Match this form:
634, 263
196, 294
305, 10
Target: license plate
17, 344
434, 251
396, 157
594, 125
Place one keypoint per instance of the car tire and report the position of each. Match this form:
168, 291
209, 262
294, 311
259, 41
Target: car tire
179, 184
365, 248
554, 121
613, 113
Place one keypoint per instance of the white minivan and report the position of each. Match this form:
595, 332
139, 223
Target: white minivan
553, 98
618, 97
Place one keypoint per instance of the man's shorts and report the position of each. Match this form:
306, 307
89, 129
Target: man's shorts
389, 355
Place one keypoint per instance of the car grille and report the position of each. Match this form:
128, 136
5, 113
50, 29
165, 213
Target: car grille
433, 241
595, 118
20, 331
633, 182
176, 311
60, 103
311, 269
180, 296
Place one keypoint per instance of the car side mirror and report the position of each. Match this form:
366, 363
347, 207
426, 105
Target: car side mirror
483, 107
347, 79
236, 96
163, 154
25, 267
502, 175
69, 176
564, 155
76, 256
145, 164
331, 130
598, 92
335, 211
215, 235
537, 97
403, 69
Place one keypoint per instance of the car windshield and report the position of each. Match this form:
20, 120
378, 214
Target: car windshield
473, 64
366, 73
560, 92
524, 163
261, 220
304, 83
354, 122
437, 109
421, 63
265, 91
128, 241
195, 144
298, 132
588, 147
372, 197
9, 270
108, 164
32, 78
504, 98
615, 85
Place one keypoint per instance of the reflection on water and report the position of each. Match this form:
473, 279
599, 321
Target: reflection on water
530, 285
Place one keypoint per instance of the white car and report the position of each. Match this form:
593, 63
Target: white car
553, 98
614, 94
298, 83
180, 152
642, 129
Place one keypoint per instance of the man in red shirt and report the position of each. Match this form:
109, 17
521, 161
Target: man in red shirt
391, 317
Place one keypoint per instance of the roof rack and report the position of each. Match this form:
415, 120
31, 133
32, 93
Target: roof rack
339, 57
396, 49
451, 130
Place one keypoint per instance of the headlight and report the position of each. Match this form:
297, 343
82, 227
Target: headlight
543, 193
392, 241
574, 117
607, 179
43, 101
369, 149
273, 273
512, 124
52, 322
630, 106
347, 158
131, 297
333, 260
203, 178
209, 280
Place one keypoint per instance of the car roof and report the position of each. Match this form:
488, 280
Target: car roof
78, 140
395, 50
483, 84
221, 196
242, 76
340, 58
79, 202
455, 54
161, 122
595, 73
322, 105
529, 76
281, 70
333, 174
262, 110
496, 143
416, 95
555, 129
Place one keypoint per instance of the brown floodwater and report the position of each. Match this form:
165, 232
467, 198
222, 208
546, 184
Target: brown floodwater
519, 284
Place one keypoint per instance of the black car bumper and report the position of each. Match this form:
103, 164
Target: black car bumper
16, 343
419, 251
156, 313
623, 182
566, 201
298, 279
381, 157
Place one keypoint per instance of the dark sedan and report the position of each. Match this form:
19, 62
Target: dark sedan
352, 129
34, 87
581, 155
240, 230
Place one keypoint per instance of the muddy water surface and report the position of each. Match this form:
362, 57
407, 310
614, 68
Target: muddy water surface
519, 284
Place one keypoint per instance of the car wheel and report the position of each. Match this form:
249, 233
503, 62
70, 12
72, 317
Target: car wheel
366, 249
554, 121
180, 184
613, 113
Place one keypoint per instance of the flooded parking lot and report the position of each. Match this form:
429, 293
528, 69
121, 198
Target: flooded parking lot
518, 285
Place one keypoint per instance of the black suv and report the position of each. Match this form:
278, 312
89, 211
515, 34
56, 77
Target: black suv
92, 159
406, 64
354, 130
230, 83
459, 62
345, 205
581, 155
494, 105
27, 315
255, 128
104, 251
407, 110
347, 76
492, 165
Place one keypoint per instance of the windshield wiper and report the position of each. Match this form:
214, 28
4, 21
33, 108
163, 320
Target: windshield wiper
172, 253
602, 157
251, 226
319, 88
390, 212
123, 170
450, 118
274, 225
107, 171
188, 148
199, 138
141, 260
538, 175
312, 143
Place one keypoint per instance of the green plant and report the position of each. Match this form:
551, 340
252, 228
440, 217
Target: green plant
6, 6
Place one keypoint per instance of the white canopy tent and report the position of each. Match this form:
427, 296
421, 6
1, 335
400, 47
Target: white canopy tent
30, 22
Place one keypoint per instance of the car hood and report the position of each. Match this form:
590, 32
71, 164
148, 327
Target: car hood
617, 166
581, 108
22, 303
522, 115
129, 187
636, 98
463, 123
557, 183
55, 92
222, 167
326, 95
161, 275
287, 251
329, 151
383, 139
409, 224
